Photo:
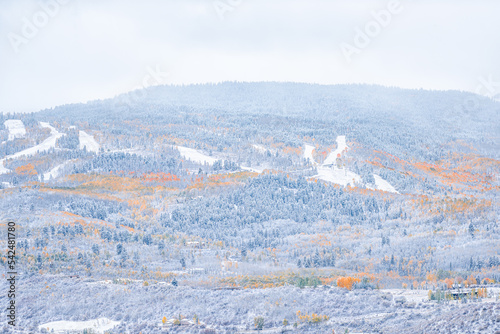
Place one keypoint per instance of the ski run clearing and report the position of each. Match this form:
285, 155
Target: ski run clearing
44, 146
195, 156
339, 151
87, 141
97, 325
16, 128
53, 130
329, 171
336, 175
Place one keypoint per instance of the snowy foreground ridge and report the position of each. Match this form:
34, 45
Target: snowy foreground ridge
97, 325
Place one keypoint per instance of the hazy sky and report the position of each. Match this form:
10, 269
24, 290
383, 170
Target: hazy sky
78, 50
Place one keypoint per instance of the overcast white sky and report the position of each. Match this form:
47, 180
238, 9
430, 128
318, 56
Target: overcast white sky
91, 49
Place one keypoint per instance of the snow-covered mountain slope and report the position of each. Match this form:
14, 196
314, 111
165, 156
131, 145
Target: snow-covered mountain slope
195, 156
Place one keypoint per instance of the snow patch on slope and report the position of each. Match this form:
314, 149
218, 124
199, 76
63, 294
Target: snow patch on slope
16, 128
259, 148
336, 175
53, 130
97, 325
7, 185
3, 170
384, 185
308, 150
195, 156
88, 141
258, 170
54, 172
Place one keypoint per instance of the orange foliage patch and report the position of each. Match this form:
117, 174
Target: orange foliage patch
221, 180
347, 282
292, 150
128, 228
95, 183
160, 177
464, 172
28, 169
450, 206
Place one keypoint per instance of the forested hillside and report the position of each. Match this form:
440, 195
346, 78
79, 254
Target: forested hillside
244, 206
